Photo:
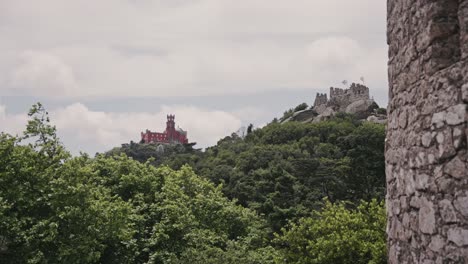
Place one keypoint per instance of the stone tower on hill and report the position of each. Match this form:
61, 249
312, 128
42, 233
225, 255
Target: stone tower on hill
426, 144
320, 99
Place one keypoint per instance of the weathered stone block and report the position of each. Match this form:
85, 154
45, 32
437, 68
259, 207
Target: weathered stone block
463, 22
461, 203
459, 236
447, 211
404, 203
456, 114
415, 202
464, 89
438, 119
445, 183
437, 243
456, 168
426, 139
427, 217
445, 144
422, 182
458, 137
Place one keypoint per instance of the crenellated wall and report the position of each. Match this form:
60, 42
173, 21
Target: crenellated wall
426, 144
344, 97
320, 99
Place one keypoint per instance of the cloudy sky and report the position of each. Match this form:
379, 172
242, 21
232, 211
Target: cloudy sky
108, 69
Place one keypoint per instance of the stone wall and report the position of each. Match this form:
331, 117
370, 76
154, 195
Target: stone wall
320, 99
426, 144
344, 97
359, 91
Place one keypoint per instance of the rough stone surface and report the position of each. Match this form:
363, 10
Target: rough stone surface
458, 236
461, 203
359, 106
326, 114
377, 119
427, 217
304, 115
456, 168
427, 133
437, 243
447, 212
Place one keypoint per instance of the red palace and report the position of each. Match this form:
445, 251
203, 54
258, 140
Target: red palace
170, 136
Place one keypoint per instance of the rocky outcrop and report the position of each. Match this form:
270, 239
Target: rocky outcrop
354, 100
379, 119
325, 115
426, 143
340, 99
321, 108
304, 115
361, 108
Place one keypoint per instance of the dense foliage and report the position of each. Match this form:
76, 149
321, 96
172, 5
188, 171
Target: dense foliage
258, 199
337, 235
283, 171
59, 209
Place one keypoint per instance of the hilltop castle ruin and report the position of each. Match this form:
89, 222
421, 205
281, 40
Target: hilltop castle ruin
353, 100
343, 97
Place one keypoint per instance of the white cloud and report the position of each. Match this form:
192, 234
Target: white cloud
82, 129
12, 123
335, 51
108, 48
192, 47
39, 73
252, 115
344, 58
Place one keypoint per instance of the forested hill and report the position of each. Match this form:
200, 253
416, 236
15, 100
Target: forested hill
286, 193
283, 171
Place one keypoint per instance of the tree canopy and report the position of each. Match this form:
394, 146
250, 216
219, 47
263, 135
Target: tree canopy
55, 208
283, 171
258, 199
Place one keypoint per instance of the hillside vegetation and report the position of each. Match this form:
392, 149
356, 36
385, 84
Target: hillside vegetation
286, 193
283, 171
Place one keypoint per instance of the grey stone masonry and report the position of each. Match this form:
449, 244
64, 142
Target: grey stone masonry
346, 96
320, 99
426, 143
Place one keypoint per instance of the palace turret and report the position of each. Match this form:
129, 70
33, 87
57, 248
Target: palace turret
170, 136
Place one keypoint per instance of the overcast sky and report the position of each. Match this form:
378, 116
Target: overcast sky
108, 69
